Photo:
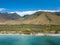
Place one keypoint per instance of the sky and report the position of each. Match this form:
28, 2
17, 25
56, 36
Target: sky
28, 5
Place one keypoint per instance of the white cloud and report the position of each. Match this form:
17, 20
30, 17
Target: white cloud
24, 12
31, 12
1, 9
50, 10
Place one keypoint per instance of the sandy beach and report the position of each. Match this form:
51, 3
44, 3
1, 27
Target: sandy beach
39, 34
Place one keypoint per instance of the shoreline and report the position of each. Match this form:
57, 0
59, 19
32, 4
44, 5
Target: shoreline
33, 34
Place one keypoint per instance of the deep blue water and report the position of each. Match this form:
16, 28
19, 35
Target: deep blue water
29, 40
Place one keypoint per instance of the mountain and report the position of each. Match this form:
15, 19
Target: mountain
11, 16
5, 18
14, 16
57, 13
43, 18
39, 17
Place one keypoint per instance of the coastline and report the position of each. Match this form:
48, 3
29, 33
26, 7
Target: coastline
41, 34
53, 34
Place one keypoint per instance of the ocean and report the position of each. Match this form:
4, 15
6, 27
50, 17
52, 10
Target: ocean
29, 40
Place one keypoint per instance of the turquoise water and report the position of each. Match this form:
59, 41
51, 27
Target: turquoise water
29, 40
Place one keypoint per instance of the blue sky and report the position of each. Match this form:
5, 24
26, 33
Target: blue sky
25, 5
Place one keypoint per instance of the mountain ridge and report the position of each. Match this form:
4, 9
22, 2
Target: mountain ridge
39, 17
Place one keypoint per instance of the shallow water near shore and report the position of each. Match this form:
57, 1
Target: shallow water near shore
29, 40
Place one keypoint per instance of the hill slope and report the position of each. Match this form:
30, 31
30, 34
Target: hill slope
36, 18
43, 18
